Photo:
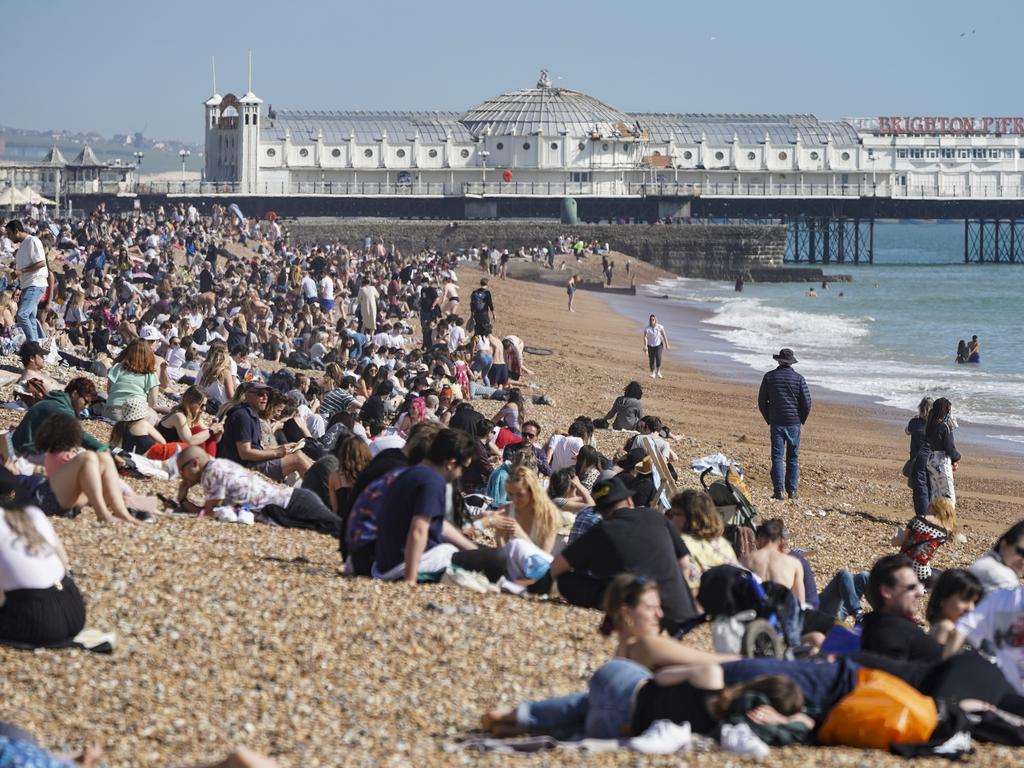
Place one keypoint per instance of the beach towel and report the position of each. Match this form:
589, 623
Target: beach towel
719, 464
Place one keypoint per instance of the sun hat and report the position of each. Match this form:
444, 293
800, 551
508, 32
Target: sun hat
785, 356
134, 409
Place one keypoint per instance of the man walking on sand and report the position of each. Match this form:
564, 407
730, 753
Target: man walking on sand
33, 276
785, 404
655, 342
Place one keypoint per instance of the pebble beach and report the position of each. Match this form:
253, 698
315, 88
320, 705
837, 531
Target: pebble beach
231, 635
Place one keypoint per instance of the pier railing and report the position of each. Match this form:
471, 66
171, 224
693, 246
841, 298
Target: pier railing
481, 189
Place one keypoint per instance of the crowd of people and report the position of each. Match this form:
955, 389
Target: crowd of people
336, 388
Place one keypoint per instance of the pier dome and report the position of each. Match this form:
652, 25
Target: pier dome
547, 110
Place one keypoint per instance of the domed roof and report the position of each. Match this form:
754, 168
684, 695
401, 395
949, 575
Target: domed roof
545, 109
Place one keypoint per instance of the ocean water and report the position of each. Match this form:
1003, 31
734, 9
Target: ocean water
890, 335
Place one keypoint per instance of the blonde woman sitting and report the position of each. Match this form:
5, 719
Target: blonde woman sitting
528, 527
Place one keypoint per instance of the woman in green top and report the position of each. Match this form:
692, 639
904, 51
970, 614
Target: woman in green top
132, 377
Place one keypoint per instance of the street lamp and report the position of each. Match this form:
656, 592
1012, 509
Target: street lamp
183, 153
138, 158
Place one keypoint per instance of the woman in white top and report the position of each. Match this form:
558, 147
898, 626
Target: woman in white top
1002, 566
655, 342
41, 605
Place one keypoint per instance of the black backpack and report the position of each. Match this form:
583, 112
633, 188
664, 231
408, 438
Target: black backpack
478, 301
282, 380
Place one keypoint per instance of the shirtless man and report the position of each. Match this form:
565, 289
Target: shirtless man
499, 368
770, 563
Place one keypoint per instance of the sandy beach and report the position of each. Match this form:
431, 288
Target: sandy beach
236, 635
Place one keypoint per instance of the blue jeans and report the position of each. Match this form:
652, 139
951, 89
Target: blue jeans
605, 712
841, 598
787, 437
26, 318
482, 364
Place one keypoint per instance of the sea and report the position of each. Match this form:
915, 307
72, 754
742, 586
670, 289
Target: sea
889, 336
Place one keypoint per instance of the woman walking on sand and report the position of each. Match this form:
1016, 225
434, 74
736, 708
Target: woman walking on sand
655, 342
570, 289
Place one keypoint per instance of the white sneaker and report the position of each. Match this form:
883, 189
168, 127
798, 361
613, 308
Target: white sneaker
662, 737
226, 514
741, 740
246, 517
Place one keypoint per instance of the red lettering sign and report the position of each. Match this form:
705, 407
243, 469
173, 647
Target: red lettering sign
913, 126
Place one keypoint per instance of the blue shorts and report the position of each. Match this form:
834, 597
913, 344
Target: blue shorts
327, 304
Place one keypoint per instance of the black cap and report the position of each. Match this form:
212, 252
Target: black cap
610, 491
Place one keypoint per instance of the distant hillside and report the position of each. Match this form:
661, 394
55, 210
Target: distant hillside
158, 156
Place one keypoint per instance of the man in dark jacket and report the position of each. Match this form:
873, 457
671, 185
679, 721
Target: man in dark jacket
785, 404
78, 395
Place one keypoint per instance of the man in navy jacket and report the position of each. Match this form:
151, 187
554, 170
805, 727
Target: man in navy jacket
785, 404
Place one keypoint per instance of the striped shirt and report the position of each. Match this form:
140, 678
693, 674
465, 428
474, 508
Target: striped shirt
335, 401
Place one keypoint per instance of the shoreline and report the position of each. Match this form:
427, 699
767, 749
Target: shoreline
851, 452
714, 358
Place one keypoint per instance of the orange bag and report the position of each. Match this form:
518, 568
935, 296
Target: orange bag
882, 710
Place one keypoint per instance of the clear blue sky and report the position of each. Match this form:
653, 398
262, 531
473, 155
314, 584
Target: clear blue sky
117, 66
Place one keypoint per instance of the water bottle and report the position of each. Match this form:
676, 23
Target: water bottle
535, 567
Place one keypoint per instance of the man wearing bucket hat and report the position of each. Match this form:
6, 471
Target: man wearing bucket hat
785, 403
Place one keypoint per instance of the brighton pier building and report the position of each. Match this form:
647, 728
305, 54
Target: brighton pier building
552, 141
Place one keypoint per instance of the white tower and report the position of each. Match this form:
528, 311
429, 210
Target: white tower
249, 138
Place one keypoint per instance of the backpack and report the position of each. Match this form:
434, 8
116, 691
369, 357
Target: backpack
299, 360
478, 301
282, 380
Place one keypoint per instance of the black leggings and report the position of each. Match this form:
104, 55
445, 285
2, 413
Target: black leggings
305, 510
654, 356
41, 617
487, 560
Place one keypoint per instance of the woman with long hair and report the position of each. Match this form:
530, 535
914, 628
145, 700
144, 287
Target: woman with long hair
40, 605
626, 696
530, 515
626, 410
943, 456
925, 534
694, 516
183, 423
215, 378
513, 413
133, 377
916, 467
353, 456
588, 466
134, 433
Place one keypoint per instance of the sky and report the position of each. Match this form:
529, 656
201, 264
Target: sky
117, 67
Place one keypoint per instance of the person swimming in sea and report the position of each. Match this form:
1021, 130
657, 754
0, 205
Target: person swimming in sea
974, 350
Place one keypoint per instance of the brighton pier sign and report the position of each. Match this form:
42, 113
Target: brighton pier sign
961, 126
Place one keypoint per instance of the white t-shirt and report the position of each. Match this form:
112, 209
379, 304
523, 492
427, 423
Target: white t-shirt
20, 570
654, 335
31, 252
308, 287
565, 449
999, 620
327, 289
456, 337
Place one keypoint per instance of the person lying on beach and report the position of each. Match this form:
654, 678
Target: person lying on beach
625, 696
33, 360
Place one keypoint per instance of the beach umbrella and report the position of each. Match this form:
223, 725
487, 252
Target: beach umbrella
11, 197
233, 208
34, 198
142, 277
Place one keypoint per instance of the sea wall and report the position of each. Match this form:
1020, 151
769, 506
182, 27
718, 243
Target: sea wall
689, 250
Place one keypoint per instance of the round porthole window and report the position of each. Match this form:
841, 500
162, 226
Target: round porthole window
367, 153
783, 156
751, 156
499, 145
605, 146
719, 156
657, 153
335, 152
303, 152
845, 155
554, 145
526, 145
625, 147
687, 155
432, 153
814, 155
400, 153
581, 146
464, 154
271, 152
